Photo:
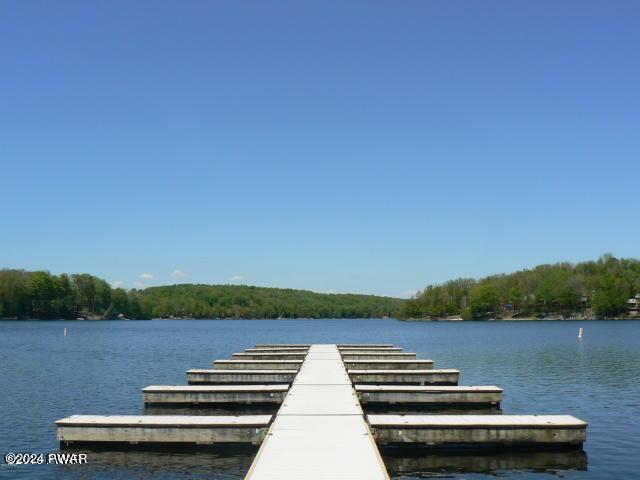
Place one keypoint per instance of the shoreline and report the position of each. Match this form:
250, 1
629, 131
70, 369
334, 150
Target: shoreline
523, 319
409, 320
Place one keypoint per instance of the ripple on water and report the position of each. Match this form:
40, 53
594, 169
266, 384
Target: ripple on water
100, 368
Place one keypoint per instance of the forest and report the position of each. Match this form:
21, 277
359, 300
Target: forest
596, 289
41, 295
593, 289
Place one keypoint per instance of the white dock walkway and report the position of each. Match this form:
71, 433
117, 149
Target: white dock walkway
320, 431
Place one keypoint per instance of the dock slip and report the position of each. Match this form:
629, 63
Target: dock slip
321, 430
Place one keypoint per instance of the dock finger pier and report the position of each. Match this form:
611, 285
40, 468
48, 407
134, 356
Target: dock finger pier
321, 430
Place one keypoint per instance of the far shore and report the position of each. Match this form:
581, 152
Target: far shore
444, 319
518, 319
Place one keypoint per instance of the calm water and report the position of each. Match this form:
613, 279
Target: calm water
100, 368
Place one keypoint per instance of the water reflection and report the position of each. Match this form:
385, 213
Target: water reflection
420, 463
222, 463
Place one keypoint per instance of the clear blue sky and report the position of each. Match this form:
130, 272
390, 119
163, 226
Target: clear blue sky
349, 146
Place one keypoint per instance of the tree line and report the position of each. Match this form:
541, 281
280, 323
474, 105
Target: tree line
41, 295
600, 288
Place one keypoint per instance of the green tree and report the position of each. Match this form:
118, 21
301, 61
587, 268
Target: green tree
484, 301
610, 297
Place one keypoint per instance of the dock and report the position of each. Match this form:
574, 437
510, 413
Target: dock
379, 355
270, 355
277, 350
406, 377
498, 430
387, 364
368, 350
232, 377
172, 429
321, 429
257, 364
411, 395
217, 394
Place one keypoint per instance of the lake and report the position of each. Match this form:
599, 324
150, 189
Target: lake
100, 367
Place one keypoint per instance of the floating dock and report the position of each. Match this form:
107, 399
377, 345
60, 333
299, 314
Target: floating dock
378, 356
348, 350
388, 364
428, 395
257, 364
203, 394
499, 430
411, 377
283, 355
321, 430
277, 349
252, 377
172, 429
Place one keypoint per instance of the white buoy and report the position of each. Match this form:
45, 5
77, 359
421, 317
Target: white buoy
65, 332
580, 333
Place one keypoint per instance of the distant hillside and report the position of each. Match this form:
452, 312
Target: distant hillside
239, 301
40, 295
599, 289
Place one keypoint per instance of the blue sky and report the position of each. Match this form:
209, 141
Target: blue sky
343, 146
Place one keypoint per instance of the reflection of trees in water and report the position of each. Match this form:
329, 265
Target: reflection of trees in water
216, 464
425, 462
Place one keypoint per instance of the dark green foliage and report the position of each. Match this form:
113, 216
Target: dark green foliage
483, 300
239, 301
42, 295
602, 287
45, 296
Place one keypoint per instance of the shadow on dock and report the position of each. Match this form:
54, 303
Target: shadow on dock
423, 462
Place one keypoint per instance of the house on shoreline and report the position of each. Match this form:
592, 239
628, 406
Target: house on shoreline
633, 304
